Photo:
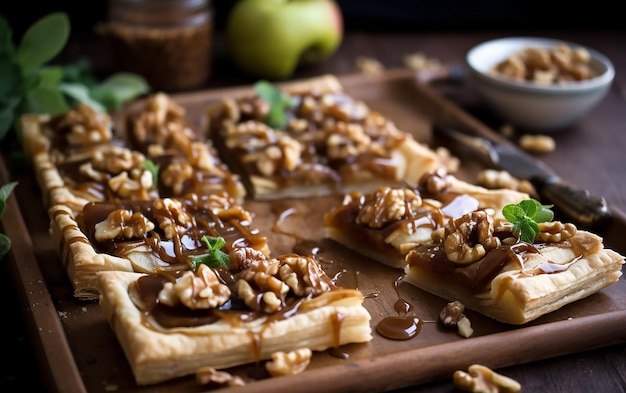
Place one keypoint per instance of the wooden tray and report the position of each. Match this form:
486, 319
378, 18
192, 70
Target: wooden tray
78, 351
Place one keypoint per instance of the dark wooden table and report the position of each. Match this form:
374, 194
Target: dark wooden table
590, 154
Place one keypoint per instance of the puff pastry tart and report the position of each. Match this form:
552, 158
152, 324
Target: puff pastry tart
173, 325
160, 235
78, 158
452, 240
329, 144
386, 223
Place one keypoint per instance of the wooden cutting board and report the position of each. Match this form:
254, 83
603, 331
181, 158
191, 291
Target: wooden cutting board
80, 353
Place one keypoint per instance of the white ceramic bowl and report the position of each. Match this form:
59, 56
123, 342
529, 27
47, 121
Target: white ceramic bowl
529, 105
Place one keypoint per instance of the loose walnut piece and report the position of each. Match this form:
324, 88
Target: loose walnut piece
452, 316
211, 376
290, 363
451, 313
464, 327
369, 65
481, 379
199, 290
537, 143
468, 238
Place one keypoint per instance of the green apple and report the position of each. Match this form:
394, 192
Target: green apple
272, 38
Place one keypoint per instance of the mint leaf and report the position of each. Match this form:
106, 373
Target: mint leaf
154, 171
80, 93
215, 257
45, 100
5, 245
525, 217
43, 41
6, 38
279, 102
5, 192
119, 88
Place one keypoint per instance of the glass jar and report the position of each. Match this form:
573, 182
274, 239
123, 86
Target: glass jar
168, 42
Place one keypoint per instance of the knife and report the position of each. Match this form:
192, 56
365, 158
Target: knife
577, 204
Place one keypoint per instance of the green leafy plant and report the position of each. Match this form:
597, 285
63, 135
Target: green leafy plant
28, 84
154, 170
5, 192
215, 257
279, 102
525, 217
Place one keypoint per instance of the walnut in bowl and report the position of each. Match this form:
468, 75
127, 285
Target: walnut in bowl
539, 84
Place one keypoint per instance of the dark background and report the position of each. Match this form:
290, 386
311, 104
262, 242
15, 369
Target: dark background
378, 14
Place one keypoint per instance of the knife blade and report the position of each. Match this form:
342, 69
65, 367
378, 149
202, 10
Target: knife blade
577, 204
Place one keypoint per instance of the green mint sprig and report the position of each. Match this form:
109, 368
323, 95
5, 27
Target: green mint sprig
5, 192
525, 217
215, 257
279, 102
153, 168
28, 84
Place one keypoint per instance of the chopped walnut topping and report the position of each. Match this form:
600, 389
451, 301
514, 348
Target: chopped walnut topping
481, 379
85, 125
211, 376
202, 290
175, 175
555, 232
171, 216
121, 223
347, 140
290, 363
243, 257
468, 238
258, 287
162, 122
284, 155
303, 275
435, 182
133, 184
386, 205
115, 159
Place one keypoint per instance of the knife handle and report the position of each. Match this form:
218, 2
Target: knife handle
579, 205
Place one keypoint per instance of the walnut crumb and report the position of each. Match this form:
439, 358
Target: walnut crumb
289, 363
481, 379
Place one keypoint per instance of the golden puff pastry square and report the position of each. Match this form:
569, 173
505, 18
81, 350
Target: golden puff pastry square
489, 271
146, 236
240, 315
329, 143
386, 223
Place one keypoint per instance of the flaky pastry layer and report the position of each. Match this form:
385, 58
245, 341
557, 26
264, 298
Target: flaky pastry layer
331, 145
158, 354
558, 275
